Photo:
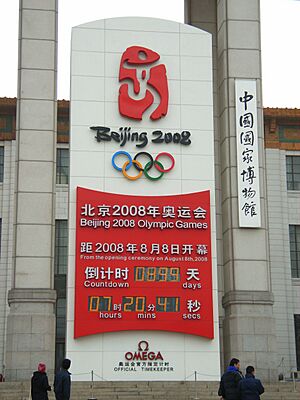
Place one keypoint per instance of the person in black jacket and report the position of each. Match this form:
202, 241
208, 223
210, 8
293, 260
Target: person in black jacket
40, 384
230, 380
62, 381
250, 388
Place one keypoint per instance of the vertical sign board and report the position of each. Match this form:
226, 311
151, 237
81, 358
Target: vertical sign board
247, 153
142, 291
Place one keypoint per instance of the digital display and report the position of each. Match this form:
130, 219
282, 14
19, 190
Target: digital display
100, 303
167, 304
157, 274
143, 263
133, 304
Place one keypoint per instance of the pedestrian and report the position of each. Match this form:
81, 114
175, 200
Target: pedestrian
230, 379
250, 388
39, 384
62, 381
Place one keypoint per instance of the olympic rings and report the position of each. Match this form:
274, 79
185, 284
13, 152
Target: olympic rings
133, 161
137, 165
145, 154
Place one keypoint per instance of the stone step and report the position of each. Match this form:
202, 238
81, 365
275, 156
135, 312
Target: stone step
148, 391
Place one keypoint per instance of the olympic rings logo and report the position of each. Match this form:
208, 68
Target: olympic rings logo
139, 167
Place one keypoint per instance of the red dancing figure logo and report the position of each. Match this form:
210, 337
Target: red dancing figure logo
133, 67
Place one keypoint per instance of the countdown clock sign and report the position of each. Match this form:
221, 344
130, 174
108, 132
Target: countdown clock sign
143, 263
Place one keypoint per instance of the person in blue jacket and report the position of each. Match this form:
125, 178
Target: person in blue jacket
250, 388
228, 389
62, 381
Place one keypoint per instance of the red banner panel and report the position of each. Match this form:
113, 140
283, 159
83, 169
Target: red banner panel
143, 263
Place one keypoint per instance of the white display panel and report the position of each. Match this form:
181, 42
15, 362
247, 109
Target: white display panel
247, 154
185, 51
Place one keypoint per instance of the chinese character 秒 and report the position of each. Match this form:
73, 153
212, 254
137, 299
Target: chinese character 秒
193, 305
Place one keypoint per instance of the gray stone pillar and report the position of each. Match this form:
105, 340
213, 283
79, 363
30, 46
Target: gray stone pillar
31, 321
248, 323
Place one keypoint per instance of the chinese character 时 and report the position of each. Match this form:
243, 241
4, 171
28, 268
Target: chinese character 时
103, 211
199, 213
91, 273
184, 212
168, 212
187, 249
247, 138
131, 248
248, 175
121, 273
248, 193
87, 210
249, 209
86, 247
202, 249
247, 155
247, 97
246, 120
192, 273
193, 305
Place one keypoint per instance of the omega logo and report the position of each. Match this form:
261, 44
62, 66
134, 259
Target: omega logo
143, 354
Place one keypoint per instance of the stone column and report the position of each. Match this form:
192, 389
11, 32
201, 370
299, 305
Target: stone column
248, 325
31, 321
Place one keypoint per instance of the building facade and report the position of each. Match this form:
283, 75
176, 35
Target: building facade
282, 152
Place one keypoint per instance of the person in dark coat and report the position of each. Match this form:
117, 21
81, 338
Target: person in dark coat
230, 380
250, 388
62, 381
39, 384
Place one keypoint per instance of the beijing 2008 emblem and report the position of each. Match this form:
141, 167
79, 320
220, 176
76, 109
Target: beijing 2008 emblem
133, 65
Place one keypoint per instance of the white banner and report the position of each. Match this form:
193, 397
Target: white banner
247, 154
